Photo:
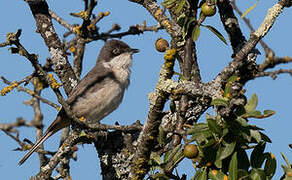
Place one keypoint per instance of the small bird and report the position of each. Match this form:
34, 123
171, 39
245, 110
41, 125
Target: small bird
99, 93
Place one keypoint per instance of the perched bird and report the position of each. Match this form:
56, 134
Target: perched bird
99, 93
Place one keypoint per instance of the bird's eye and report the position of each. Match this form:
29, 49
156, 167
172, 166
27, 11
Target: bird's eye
116, 51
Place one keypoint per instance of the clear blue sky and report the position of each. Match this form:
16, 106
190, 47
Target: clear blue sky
213, 55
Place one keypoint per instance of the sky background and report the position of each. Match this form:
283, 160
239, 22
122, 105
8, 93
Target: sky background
213, 55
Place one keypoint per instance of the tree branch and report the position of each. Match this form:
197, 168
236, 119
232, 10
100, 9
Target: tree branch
45, 27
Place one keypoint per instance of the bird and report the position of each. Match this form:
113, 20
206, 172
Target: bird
99, 93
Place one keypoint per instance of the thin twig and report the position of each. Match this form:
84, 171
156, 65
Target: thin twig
273, 74
247, 22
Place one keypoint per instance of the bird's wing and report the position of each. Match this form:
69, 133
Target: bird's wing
97, 74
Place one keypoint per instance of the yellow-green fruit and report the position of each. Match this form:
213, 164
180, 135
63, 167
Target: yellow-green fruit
161, 45
208, 10
191, 151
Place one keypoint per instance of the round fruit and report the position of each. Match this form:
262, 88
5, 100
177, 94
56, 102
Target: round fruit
191, 151
208, 10
161, 45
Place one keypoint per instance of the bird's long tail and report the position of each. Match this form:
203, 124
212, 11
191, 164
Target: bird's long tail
59, 123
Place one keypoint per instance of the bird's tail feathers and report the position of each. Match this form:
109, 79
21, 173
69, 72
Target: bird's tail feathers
58, 124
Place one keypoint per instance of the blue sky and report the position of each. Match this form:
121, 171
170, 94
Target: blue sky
213, 55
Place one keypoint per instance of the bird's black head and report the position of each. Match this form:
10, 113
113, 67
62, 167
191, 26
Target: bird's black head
113, 48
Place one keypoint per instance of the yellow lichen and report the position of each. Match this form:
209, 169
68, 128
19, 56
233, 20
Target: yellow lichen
91, 27
167, 24
102, 14
81, 118
157, 14
106, 13
26, 147
177, 91
21, 52
59, 108
287, 59
72, 49
140, 172
38, 84
54, 84
194, 165
169, 64
30, 92
7, 89
11, 37
77, 30
169, 54
83, 14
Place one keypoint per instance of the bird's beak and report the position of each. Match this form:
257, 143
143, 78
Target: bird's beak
135, 50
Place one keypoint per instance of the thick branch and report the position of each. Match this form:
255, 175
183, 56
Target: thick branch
45, 27
154, 9
147, 138
231, 25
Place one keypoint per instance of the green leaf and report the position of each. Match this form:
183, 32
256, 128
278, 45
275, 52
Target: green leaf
233, 167
179, 6
233, 79
198, 128
196, 33
270, 165
251, 104
157, 159
257, 174
256, 135
243, 159
168, 2
227, 85
181, 19
186, 26
257, 155
242, 174
169, 156
286, 160
160, 176
242, 121
227, 149
252, 114
202, 134
225, 131
268, 113
205, 139
218, 162
216, 175
265, 138
220, 102
178, 157
216, 32
248, 10
200, 175
197, 175
258, 114
214, 127
288, 177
